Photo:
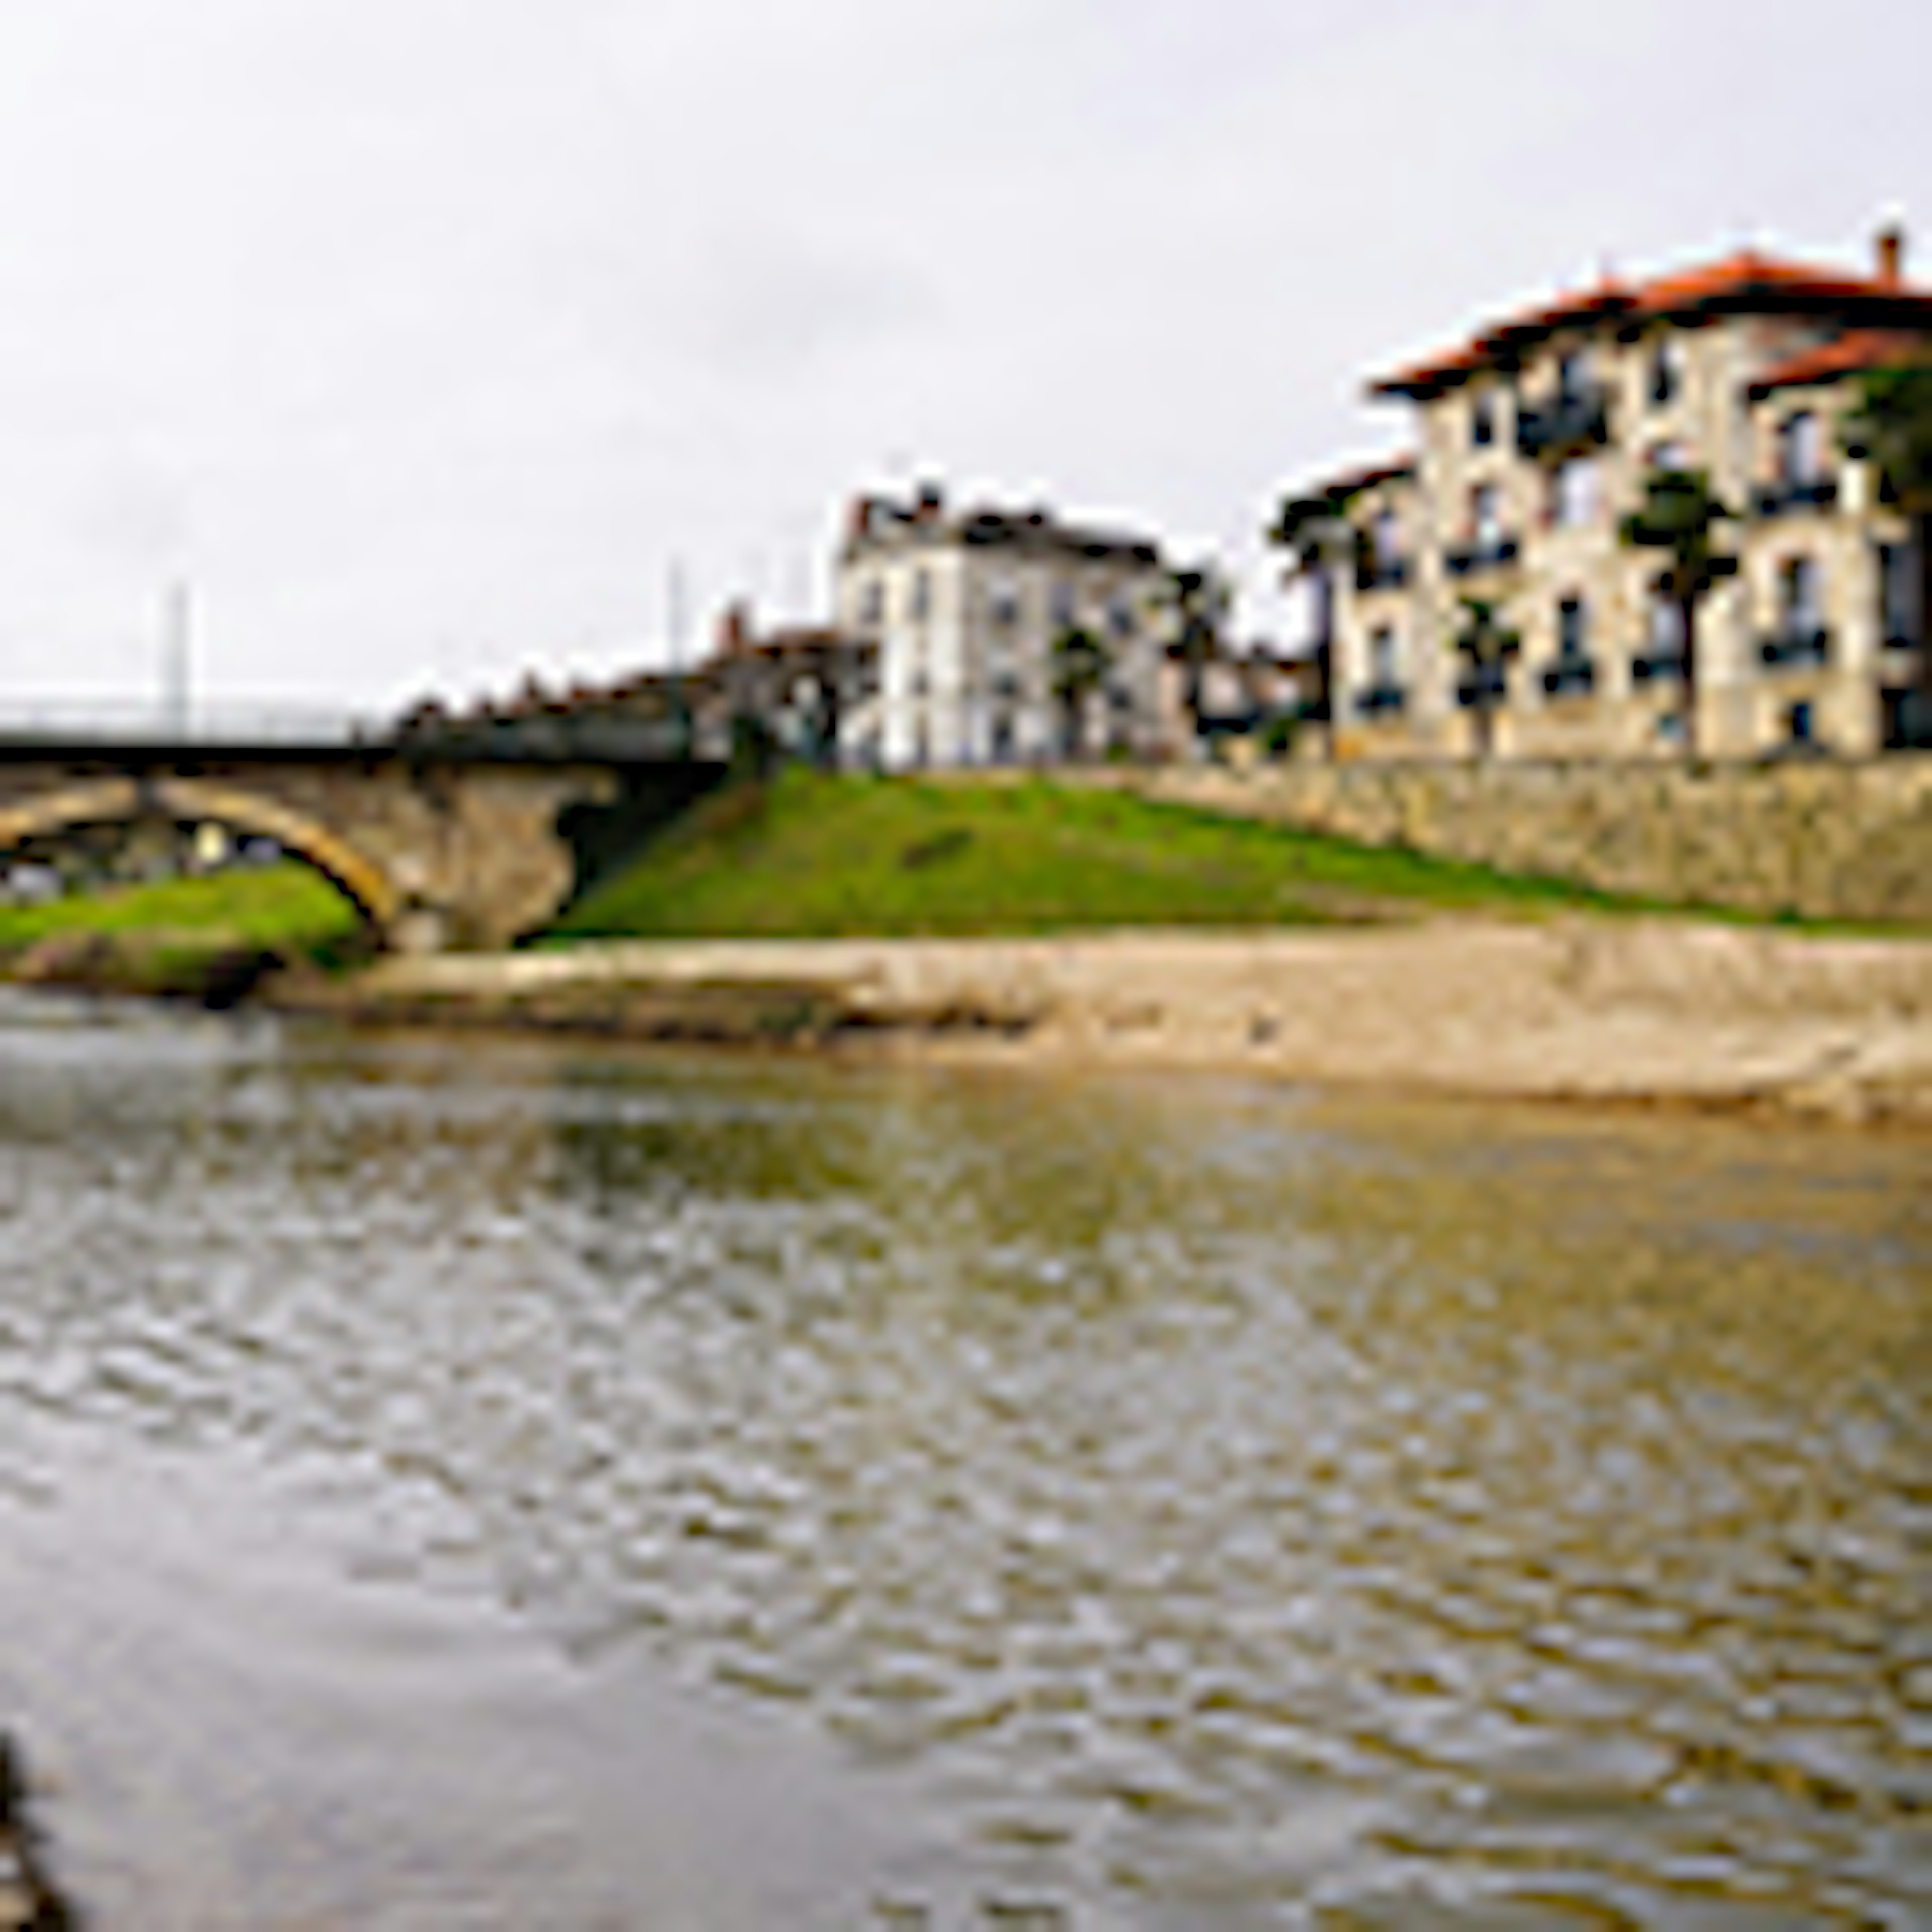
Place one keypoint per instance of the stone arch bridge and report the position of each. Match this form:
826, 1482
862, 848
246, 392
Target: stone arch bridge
437, 847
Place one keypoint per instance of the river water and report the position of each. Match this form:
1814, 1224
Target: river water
453, 1483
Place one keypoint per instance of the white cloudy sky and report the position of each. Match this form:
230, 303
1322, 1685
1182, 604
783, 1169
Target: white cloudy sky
421, 335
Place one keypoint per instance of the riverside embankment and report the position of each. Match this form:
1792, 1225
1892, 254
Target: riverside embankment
1607, 1010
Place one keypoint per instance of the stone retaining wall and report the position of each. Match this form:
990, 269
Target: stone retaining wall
1839, 839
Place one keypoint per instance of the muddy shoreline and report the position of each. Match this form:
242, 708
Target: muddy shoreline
1660, 1012
1643, 1012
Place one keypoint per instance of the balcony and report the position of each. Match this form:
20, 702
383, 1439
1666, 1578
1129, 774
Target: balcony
1781, 498
1375, 700
1490, 553
1565, 423
1387, 573
1795, 646
1570, 677
1660, 666
1486, 687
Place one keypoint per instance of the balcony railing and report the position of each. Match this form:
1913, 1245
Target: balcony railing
1487, 687
1780, 498
1795, 646
1490, 553
1660, 666
1376, 699
1570, 677
1565, 423
1387, 573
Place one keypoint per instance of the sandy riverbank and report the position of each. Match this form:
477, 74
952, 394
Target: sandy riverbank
1662, 1011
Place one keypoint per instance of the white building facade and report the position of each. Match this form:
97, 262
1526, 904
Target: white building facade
967, 608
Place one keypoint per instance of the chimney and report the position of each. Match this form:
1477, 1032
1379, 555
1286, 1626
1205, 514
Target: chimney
734, 629
932, 498
859, 519
1888, 254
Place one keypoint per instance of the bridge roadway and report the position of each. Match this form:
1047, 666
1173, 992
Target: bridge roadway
452, 841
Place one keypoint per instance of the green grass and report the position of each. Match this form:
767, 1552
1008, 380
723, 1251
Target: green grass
810, 856
286, 908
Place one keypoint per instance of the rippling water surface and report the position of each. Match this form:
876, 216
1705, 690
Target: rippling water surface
446, 1482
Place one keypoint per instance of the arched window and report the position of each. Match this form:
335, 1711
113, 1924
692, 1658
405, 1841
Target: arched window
1667, 371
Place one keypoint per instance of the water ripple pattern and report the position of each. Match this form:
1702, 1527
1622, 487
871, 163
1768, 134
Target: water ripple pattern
1223, 1506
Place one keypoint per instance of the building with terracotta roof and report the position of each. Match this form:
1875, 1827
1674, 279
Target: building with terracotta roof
1535, 438
964, 606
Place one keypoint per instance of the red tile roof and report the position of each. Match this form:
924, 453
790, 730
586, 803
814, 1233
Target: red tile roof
1746, 282
1857, 348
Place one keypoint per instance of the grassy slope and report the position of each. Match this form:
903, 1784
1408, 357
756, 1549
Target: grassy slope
809, 855
287, 908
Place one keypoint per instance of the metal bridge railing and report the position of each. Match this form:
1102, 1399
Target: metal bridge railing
111, 721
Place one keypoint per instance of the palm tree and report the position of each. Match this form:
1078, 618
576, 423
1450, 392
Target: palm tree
1891, 422
1199, 599
1680, 515
1078, 668
1321, 540
1487, 647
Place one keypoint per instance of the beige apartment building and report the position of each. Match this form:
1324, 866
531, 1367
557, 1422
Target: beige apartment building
1534, 440
963, 607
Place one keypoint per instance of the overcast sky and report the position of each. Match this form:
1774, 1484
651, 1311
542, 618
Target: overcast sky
420, 336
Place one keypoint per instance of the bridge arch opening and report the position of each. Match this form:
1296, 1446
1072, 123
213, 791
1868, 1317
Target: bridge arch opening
49, 817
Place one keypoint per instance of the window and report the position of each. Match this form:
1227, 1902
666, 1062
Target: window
1003, 602
1060, 605
1573, 374
871, 602
1669, 454
922, 593
1573, 628
1383, 535
1800, 585
1384, 667
1121, 618
1800, 727
1574, 493
1800, 448
1667, 371
1483, 417
1897, 594
1486, 516
1664, 620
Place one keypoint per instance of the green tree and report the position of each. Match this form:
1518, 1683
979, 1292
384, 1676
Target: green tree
1078, 667
1680, 516
1891, 422
1486, 646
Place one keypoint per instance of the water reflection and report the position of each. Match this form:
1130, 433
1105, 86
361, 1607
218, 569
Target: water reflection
1213, 1504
